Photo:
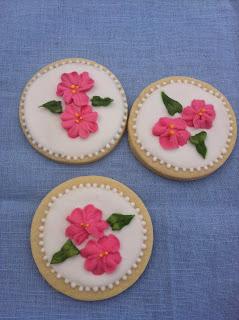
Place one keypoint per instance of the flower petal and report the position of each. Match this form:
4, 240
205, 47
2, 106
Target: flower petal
111, 261
91, 213
110, 243
73, 132
65, 77
168, 142
179, 123
76, 216
159, 129
86, 83
91, 249
68, 124
182, 136
80, 99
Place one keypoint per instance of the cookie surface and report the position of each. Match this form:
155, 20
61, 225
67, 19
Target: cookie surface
83, 111
82, 223
182, 128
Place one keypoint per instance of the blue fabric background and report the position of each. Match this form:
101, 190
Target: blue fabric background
194, 269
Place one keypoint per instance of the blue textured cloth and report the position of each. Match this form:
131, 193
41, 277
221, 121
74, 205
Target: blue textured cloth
194, 269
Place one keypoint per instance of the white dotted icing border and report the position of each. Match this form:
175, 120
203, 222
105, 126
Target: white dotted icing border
199, 84
134, 265
49, 152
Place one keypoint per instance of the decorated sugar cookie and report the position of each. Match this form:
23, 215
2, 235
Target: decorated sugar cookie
91, 238
73, 110
182, 128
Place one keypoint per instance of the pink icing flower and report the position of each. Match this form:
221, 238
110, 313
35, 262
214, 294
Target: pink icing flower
85, 222
79, 121
199, 114
73, 87
172, 132
102, 255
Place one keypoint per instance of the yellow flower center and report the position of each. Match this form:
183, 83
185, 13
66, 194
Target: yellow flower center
74, 88
84, 225
201, 111
78, 117
103, 254
171, 132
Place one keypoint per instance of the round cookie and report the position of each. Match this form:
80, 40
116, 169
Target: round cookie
182, 128
91, 238
73, 111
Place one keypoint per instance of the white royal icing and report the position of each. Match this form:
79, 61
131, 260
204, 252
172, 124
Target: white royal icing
152, 108
131, 237
44, 128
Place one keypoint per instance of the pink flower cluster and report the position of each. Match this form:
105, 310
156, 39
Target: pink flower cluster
102, 255
78, 117
172, 132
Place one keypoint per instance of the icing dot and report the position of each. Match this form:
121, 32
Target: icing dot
147, 153
134, 266
46, 212
124, 277
95, 289
102, 288
155, 159
82, 157
94, 185
41, 235
143, 246
198, 168
60, 195
74, 187
161, 162
143, 223
107, 187
49, 204
145, 237
81, 185
168, 165
132, 204
41, 228
81, 288
66, 280
176, 168
206, 167
114, 190
110, 286
41, 243
144, 230
224, 151
211, 164
45, 258
87, 288
53, 198
137, 210
191, 169
117, 282
73, 284
67, 191
53, 271
184, 169
48, 264
139, 260
58, 276
127, 198
102, 186
42, 250
221, 156
88, 185
141, 254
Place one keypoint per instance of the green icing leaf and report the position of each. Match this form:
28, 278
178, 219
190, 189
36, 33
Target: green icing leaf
199, 141
172, 106
118, 220
53, 106
97, 101
68, 250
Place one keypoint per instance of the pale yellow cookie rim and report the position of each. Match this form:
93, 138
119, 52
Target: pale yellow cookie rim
168, 170
59, 284
64, 158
